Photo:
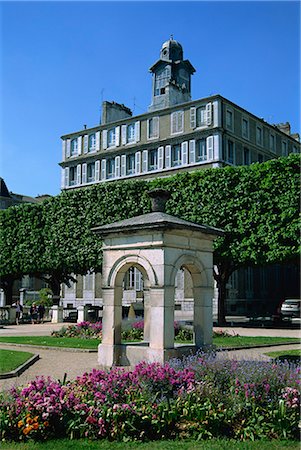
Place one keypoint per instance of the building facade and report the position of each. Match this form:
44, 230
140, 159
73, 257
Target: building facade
176, 134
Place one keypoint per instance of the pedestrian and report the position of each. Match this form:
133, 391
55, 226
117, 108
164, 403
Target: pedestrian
19, 310
41, 312
33, 313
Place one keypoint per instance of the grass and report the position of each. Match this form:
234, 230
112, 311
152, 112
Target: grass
286, 355
66, 342
214, 444
11, 360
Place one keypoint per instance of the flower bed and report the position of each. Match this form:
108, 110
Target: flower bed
199, 397
88, 330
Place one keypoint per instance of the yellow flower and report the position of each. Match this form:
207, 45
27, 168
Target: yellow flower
35, 419
20, 423
35, 426
27, 430
29, 421
46, 423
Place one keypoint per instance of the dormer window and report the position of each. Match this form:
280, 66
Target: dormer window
74, 147
130, 133
92, 142
112, 137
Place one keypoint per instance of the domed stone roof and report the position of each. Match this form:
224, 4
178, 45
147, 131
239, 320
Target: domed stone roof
171, 50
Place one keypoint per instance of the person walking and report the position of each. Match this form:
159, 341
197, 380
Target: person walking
41, 312
33, 313
19, 310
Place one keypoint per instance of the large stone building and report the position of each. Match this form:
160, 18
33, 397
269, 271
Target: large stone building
176, 134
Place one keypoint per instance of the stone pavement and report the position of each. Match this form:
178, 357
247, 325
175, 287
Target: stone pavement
55, 363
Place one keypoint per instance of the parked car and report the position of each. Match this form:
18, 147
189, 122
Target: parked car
290, 308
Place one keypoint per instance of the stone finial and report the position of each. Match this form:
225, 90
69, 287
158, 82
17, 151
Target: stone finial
159, 198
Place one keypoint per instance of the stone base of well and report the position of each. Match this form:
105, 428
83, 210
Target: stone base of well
132, 354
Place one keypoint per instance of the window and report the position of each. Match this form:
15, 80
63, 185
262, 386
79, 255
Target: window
272, 142
201, 150
246, 156
111, 168
201, 116
161, 81
176, 155
72, 176
153, 160
133, 280
229, 119
130, 133
153, 128
92, 142
245, 128
258, 135
295, 149
230, 152
130, 164
74, 147
177, 122
88, 282
112, 137
260, 157
90, 172
284, 148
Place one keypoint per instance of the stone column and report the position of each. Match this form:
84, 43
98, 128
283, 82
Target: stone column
203, 320
2, 298
109, 351
22, 296
162, 322
147, 315
12, 314
57, 314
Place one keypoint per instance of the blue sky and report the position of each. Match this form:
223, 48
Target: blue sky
60, 59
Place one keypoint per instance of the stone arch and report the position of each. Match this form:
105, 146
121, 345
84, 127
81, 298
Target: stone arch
121, 266
195, 268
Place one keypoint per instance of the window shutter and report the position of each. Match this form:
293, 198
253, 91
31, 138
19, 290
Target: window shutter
123, 135
84, 173
97, 167
123, 166
105, 139
210, 147
86, 140
209, 113
103, 169
62, 178
156, 126
78, 171
137, 131
79, 145
181, 121
216, 140
97, 137
192, 117
160, 157
68, 151
173, 122
144, 161
117, 136
192, 152
63, 150
167, 156
184, 148
138, 162
66, 177
117, 167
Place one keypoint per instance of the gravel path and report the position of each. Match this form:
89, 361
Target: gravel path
56, 363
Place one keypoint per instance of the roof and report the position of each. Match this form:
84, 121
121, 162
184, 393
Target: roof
154, 220
3, 189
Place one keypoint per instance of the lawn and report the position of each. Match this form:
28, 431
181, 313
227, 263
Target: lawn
286, 355
214, 444
68, 342
11, 360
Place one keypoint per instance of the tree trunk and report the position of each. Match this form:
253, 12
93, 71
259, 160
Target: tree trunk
221, 276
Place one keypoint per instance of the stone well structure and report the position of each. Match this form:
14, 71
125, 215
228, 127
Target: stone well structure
158, 244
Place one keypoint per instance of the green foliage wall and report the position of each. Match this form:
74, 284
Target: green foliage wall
257, 206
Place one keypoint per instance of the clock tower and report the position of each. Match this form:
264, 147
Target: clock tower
171, 77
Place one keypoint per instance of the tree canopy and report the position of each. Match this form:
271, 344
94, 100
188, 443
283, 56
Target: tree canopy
257, 206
